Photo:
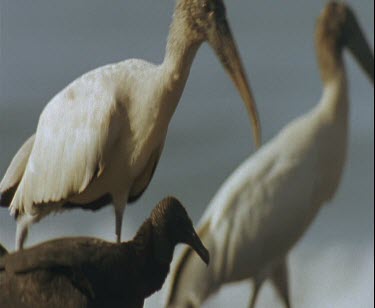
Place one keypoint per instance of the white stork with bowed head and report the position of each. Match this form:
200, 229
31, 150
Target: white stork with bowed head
99, 140
267, 204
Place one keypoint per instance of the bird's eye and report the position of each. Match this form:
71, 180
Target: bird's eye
207, 7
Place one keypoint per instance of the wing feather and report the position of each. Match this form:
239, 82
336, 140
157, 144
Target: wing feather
75, 132
15, 171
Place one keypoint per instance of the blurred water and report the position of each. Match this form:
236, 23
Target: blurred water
46, 44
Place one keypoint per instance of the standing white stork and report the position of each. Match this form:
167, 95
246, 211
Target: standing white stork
99, 140
267, 204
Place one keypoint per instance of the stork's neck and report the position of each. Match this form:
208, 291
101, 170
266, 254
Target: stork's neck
335, 94
175, 69
180, 51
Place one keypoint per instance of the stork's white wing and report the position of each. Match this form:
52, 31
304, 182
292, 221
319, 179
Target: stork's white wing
15, 171
284, 166
75, 134
269, 198
246, 178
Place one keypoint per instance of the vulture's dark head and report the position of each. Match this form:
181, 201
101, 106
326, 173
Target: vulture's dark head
3, 251
170, 219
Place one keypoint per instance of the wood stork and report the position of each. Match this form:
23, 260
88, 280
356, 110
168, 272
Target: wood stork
99, 140
87, 272
267, 204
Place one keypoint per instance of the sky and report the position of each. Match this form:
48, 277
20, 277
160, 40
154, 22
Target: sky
44, 45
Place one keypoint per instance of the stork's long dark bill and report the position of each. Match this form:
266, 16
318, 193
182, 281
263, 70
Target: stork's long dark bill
195, 243
359, 47
224, 45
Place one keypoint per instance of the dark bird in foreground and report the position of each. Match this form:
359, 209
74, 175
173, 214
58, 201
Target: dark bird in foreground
87, 272
3, 251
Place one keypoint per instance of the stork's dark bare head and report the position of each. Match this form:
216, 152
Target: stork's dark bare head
338, 28
170, 219
201, 16
331, 27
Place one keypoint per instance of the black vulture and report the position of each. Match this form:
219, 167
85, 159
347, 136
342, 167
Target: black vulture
88, 272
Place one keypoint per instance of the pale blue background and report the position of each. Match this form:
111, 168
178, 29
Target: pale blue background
46, 44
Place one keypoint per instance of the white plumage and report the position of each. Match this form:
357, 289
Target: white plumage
99, 139
265, 206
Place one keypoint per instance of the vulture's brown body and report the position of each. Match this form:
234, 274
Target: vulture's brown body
3, 252
86, 272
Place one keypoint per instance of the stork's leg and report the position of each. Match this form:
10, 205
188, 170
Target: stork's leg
23, 224
257, 285
119, 213
279, 279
